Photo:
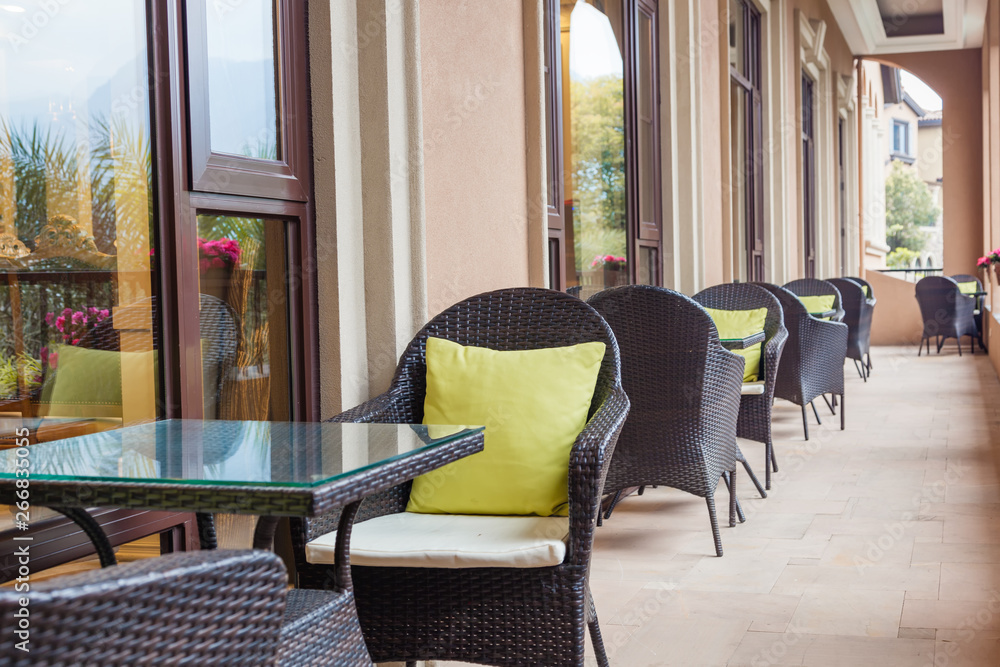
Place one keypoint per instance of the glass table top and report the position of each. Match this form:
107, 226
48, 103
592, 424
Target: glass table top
284, 454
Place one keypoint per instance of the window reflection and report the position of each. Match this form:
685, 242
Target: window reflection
243, 319
76, 220
594, 128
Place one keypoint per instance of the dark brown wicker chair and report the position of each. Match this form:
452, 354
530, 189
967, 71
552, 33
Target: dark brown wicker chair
978, 312
812, 363
197, 608
858, 318
685, 392
755, 410
494, 616
867, 286
946, 312
816, 287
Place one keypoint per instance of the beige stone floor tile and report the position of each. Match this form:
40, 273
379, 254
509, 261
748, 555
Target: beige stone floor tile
680, 641
864, 551
796, 579
851, 612
971, 530
798, 649
955, 553
966, 648
753, 574
970, 581
952, 614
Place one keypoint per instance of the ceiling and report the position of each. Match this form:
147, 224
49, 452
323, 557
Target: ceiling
874, 27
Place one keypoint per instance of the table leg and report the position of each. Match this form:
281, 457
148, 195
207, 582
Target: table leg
342, 550
82, 518
206, 531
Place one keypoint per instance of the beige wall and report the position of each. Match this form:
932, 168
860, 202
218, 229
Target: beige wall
896, 319
990, 59
475, 172
957, 78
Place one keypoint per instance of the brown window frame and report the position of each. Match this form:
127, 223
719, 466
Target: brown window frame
285, 193
808, 175
749, 82
640, 233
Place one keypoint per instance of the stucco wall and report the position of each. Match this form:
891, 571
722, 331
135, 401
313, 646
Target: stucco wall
896, 320
475, 177
957, 78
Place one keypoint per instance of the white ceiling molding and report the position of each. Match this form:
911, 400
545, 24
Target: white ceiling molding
861, 24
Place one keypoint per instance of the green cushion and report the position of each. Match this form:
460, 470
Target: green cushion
740, 324
818, 304
533, 403
868, 291
88, 383
969, 287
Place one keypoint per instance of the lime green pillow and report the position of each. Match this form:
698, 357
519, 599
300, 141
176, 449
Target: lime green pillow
818, 304
87, 383
533, 403
868, 292
740, 324
969, 287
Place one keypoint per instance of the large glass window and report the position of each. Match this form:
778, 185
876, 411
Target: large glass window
603, 115
79, 331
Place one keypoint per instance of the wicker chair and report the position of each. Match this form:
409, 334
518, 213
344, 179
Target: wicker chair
858, 319
755, 409
867, 286
685, 393
946, 312
816, 287
196, 608
488, 615
978, 312
812, 363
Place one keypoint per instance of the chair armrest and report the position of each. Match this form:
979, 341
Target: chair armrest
193, 607
772, 357
588, 468
827, 340
392, 407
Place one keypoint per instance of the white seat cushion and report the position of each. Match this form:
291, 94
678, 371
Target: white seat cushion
752, 389
408, 539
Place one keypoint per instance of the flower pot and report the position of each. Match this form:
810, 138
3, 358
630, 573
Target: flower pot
996, 270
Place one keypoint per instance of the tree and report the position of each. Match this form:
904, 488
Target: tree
908, 206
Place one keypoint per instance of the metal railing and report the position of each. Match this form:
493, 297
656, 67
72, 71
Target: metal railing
913, 274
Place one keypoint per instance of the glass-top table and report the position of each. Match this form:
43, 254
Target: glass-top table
268, 469
743, 343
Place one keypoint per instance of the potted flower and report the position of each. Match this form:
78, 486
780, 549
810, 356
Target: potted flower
992, 259
216, 261
615, 269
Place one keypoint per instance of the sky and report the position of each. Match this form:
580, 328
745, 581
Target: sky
593, 49
921, 92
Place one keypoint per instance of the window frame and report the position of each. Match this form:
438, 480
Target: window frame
808, 175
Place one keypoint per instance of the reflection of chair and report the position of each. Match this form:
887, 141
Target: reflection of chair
685, 393
809, 287
858, 318
946, 312
498, 615
755, 409
812, 363
965, 282
198, 608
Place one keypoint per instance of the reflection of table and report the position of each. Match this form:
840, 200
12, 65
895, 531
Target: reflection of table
43, 429
743, 343
266, 469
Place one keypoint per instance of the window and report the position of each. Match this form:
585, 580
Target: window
602, 152
746, 126
808, 177
901, 137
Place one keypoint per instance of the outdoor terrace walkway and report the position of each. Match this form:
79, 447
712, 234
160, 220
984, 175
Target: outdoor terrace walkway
878, 545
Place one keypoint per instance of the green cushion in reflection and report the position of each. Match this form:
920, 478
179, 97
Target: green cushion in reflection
970, 287
88, 382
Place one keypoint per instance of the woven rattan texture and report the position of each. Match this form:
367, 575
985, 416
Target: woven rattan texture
498, 616
812, 362
945, 311
817, 287
857, 316
199, 608
755, 411
321, 629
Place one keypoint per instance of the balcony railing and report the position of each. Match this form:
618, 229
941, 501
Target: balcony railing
913, 274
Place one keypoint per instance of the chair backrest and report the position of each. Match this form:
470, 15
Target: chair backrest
744, 296
939, 300
684, 386
968, 278
199, 608
865, 285
853, 298
510, 319
815, 287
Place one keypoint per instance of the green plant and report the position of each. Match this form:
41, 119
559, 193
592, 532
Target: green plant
13, 367
908, 207
901, 258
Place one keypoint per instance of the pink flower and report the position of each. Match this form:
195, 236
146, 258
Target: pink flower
53, 359
103, 314
79, 317
50, 318
984, 261
61, 323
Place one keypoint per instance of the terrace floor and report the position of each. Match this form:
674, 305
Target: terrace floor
878, 545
